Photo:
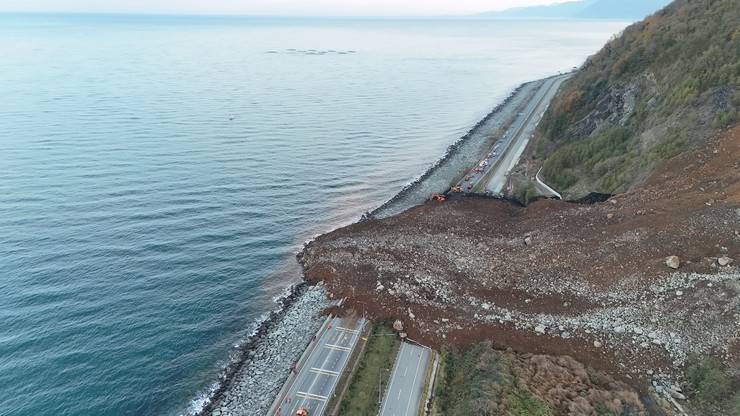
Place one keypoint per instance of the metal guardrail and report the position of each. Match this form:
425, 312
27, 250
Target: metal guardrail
427, 408
554, 192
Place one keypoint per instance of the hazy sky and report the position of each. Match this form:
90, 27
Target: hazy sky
273, 7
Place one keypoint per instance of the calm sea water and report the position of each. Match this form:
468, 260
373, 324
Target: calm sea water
157, 175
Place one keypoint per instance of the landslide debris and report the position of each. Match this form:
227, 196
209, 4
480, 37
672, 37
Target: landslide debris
589, 281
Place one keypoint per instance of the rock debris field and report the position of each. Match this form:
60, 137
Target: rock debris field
633, 285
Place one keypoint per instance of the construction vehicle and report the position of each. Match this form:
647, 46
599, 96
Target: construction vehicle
301, 412
437, 197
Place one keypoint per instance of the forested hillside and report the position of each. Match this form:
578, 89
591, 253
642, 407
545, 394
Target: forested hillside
664, 85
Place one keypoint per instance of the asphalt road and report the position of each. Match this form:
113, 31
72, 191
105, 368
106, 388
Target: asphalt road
313, 384
504, 155
404, 392
523, 129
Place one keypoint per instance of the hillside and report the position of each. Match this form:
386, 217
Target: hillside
584, 9
625, 307
589, 281
665, 85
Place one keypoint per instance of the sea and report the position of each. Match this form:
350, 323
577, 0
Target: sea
159, 173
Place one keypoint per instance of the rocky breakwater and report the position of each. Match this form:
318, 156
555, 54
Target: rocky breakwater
254, 381
462, 155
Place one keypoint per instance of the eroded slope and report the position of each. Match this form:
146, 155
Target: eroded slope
559, 278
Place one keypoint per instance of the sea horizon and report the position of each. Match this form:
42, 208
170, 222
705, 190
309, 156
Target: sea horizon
153, 202
240, 16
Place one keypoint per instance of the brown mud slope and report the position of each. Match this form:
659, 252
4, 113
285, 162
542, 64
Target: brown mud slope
558, 278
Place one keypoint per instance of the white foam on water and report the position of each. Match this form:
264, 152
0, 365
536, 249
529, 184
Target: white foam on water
200, 402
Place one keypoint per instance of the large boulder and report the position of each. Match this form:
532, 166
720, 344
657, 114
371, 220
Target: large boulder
673, 262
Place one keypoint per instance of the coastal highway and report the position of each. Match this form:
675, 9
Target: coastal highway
407, 381
522, 130
505, 153
313, 382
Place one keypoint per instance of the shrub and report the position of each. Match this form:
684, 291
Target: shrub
589, 157
522, 403
734, 408
724, 119
527, 194
707, 379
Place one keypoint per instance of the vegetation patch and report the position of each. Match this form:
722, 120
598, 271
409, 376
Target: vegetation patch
527, 193
712, 387
373, 370
483, 381
480, 381
602, 158
665, 84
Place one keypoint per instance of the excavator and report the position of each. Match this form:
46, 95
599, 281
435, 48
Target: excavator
438, 197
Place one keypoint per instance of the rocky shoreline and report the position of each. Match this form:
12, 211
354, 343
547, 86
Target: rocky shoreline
460, 156
259, 366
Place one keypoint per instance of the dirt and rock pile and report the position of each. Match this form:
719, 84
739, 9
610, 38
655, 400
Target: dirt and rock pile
598, 282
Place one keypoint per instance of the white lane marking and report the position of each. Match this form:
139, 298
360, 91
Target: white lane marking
537, 100
337, 347
351, 331
313, 382
390, 386
311, 396
520, 120
413, 384
315, 356
324, 372
405, 370
342, 358
399, 393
